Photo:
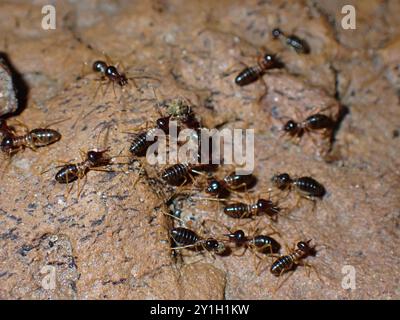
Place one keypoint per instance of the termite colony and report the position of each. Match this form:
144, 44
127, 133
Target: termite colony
230, 191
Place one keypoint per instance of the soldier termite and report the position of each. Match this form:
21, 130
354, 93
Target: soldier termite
293, 41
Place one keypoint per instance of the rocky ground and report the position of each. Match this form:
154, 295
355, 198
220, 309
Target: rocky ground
112, 242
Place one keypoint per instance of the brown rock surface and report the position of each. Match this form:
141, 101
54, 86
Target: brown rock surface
111, 243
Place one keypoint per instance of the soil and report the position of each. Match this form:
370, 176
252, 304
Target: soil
112, 240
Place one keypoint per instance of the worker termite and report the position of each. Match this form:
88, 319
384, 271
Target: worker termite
231, 182
11, 143
186, 238
314, 122
93, 160
294, 258
299, 45
262, 243
251, 74
241, 210
142, 141
179, 173
306, 187
110, 74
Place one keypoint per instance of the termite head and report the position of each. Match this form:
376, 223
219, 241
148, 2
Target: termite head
163, 124
214, 187
291, 126
7, 144
263, 205
112, 72
214, 245
99, 66
97, 157
276, 33
238, 236
281, 181
304, 246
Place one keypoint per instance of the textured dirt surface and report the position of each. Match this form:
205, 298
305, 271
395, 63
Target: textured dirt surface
112, 242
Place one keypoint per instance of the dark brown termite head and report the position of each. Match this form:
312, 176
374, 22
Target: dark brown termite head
99, 66
281, 181
7, 144
305, 247
276, 33
263, 204
163, 124
97, 158
214, 187
290, 127
212, 244
271, 61
238, 237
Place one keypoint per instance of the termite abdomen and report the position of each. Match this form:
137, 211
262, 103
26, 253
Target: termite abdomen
184, 236
43, 137
67, 174
310, 187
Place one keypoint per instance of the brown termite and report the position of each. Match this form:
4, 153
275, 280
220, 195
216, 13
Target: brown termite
293, 41
251, 74
187, 238
315, 122
232, 182
295, 257
11, 143
111, 75
179, 173
142, 140
288, 262
110, 72
93, 160
306, 187
260, 242
242, 210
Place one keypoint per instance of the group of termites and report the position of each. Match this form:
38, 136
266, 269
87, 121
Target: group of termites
181, 174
